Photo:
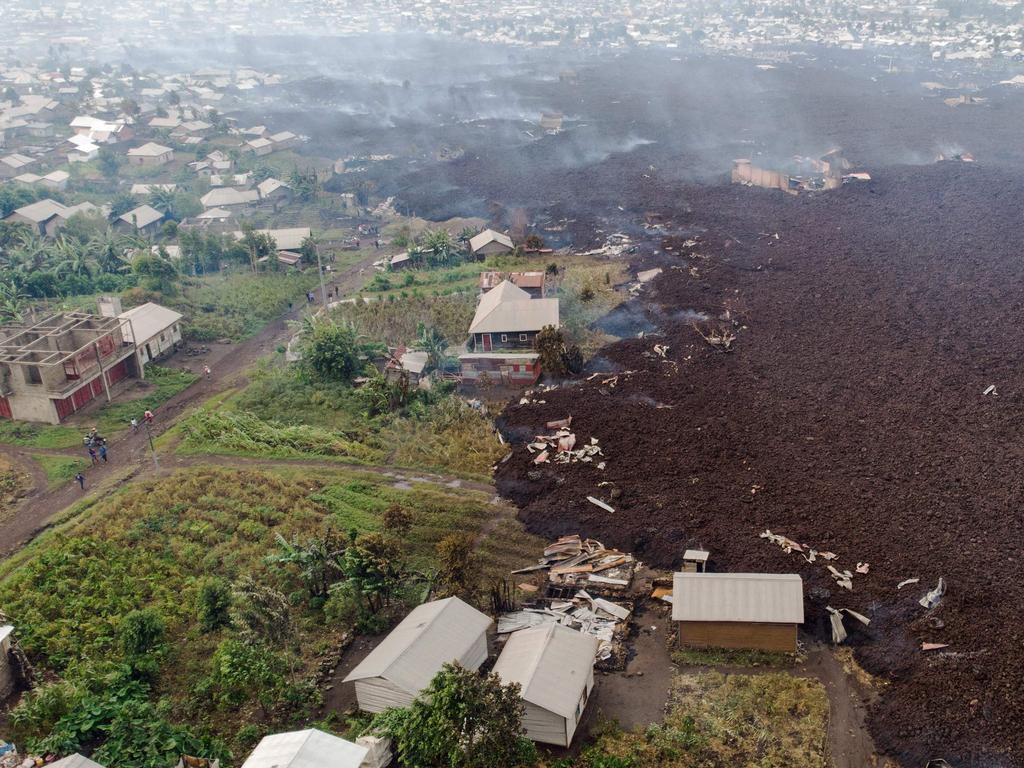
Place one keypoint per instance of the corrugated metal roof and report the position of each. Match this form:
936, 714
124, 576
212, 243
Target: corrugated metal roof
507, 307
75, 761
489, 236
148, 320
414, 651
142, 216
305, 749
772, 598
551, 663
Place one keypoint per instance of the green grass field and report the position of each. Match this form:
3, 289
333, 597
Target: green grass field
60, 469
154, 544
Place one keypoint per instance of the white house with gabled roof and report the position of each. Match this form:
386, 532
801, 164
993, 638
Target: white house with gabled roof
432, 635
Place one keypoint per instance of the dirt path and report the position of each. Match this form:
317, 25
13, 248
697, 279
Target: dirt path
128, 448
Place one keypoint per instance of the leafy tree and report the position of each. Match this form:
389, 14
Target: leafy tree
461, 720
308, 249
458, 568
373, 569
158, 272
214, 604
260, 612
130, 106
12, 96
319, 561
534, 242
259, 245
555, 358
108, 163
335, 351
173, 98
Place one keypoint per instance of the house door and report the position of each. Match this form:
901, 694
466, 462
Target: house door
487, 342
149, 352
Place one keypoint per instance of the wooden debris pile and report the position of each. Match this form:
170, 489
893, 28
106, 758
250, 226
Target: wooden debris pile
562, 445
573, 562
581, 577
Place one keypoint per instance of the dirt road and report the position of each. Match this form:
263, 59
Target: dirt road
132, 449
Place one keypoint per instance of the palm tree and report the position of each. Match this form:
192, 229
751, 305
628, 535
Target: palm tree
31, 255
12, 302
163, 200
439, 245
108, 248
72, 257
433, 342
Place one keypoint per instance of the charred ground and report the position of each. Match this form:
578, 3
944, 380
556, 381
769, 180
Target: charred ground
849, 416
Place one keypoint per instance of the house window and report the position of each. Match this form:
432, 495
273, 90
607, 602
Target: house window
522, 337
33, 375
504, 337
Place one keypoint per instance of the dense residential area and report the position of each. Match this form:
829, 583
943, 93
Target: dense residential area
481, 385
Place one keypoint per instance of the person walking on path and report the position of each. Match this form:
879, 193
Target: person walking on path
149, 417
103, 452
92, 454
206, 371
135, 425
80, 479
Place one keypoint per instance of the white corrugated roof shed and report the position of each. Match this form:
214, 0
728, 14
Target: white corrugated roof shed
767, 598
288, 239
305, 749
75, 761
489, 236
414, 651
551, 663
150, 149
148, 320
506, 307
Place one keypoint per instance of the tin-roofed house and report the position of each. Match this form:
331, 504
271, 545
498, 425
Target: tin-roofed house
490, 243
156, 330
554, 667
151, 154
758, 611
75, 760
311, 748
144, 221
503, 335
432, 635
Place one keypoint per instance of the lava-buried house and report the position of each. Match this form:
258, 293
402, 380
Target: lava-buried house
804, 174
503, 335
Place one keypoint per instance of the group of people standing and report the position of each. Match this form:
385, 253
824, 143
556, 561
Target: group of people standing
96, 445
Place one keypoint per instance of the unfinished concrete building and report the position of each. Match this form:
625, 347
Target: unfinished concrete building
55, 367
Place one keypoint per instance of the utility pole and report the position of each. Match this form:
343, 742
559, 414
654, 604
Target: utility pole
149, 433
320, 269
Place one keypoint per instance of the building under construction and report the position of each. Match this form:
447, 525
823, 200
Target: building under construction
54, 367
